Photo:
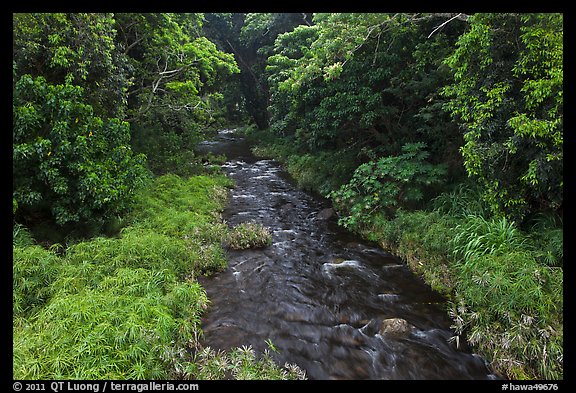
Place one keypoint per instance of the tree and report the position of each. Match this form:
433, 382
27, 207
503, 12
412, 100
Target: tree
69, 164
55, 45
72, 162
508, 97
176, 75
369, 80
250, 38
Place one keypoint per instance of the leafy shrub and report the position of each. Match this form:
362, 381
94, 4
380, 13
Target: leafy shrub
507, 94
168, 150
68, 163
249, 235
386, 184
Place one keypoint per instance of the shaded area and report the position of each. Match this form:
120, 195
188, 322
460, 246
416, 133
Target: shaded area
322, 296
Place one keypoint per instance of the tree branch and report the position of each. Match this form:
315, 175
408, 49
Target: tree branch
459, 16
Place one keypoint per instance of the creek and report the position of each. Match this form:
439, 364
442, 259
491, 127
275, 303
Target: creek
327, 300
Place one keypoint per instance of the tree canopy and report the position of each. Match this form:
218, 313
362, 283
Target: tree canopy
97, 97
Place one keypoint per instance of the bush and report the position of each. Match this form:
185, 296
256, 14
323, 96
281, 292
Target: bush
68, 164
386, 184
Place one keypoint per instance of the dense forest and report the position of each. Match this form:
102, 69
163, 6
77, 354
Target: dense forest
439, 136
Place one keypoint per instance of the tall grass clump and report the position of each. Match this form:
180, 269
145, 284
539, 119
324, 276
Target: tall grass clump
248, 235
465, 199
547, 232
478, 236
34, 269
509, 304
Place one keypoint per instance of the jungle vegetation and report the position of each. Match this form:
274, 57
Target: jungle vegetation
437, 135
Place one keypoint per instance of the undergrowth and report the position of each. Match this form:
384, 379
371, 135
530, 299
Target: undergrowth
126, 307
504, 285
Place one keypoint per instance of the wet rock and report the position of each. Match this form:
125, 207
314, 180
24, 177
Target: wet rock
325, 214
395, 327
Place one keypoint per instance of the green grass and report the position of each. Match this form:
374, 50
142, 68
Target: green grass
503, 298
248, 235
127, 307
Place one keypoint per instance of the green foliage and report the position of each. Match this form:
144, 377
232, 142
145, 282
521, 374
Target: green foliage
248, 235
479, 236
504, 290
464, 200
547, 232
118, 307
80, 46
177, 74
508, 94
68, 162
421, 239
156, 71
386, 184
120, 329
251, 37
111, 308
240, 364
362, 80
511, 307
178, 206
33, 271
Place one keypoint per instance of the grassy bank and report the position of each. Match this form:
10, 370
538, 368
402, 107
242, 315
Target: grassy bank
504, 285
129, 307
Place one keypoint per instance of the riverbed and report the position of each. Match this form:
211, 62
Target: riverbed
335, 305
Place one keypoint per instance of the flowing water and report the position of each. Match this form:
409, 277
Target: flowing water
320, 294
